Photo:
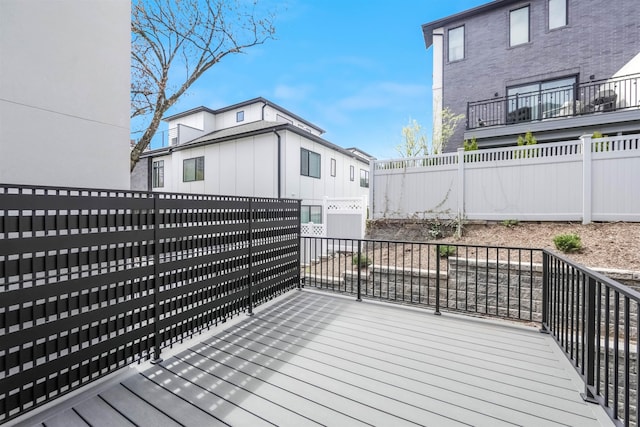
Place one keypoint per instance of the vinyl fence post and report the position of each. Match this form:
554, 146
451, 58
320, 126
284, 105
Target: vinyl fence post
586, 178
437, 312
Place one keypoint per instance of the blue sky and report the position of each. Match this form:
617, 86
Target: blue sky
359, 69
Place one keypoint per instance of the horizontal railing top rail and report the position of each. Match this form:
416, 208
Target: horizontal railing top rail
551, 150
615, 93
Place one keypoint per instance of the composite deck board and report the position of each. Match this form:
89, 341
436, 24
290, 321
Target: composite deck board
138, 410
97, 413
173, 406
316, 359
67, 418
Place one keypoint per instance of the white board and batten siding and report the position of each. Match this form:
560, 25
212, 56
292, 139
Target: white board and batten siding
311, 190
547, 182
248, 166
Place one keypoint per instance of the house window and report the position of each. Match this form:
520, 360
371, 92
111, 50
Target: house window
557, 14
456, 44
311, 213
519, 26
309, 163
333, 167
193, 169
352, 173
158, 174
541, 100
240, 116
364, 178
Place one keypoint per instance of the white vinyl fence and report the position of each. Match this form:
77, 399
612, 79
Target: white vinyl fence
560, 181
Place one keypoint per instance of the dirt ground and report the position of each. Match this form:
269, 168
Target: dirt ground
605, 245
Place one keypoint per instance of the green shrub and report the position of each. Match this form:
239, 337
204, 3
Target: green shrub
568, 242
470, 145
360, 261
528, 139
510, 223
447, 250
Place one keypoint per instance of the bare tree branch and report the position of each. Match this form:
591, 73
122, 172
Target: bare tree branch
174, 42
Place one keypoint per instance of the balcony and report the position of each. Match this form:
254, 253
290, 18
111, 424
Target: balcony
578, 100
101, 291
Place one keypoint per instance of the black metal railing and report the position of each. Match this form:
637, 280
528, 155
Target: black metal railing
592, 318
595, 321
93, 280
616, 93
497, 281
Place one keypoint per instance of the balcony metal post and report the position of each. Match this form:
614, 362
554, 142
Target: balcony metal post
590, 340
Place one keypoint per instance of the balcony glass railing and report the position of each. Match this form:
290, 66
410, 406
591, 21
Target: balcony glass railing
617, 93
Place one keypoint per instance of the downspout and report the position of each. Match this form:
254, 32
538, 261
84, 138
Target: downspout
279, 163
264, 105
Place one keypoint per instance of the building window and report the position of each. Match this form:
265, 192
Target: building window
456, 44
158, 174
309, 163
519, 26
541, 100
240, 116
557, 14
333, 167
193, 169
352, 173
364, 178
311, 213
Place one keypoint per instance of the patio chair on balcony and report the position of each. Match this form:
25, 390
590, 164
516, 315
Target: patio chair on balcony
605, 100
522, 114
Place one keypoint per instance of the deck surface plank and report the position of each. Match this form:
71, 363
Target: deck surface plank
317, 359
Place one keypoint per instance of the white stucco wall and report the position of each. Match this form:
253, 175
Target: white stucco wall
64, 92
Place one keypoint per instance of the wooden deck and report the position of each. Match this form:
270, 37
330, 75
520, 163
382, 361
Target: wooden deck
317, 359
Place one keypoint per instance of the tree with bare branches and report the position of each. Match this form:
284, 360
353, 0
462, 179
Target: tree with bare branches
174, 42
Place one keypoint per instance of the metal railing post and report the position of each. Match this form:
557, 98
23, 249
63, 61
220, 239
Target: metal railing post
437, 312
359, 268
300, 245
590, 341
545, 293
250, 272
156, 283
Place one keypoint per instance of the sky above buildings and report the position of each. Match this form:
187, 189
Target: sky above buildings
359, 69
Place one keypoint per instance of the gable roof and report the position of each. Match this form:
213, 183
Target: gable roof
240, 105
247, 130
427, 29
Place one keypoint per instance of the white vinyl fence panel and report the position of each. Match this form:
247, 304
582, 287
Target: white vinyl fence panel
548, 182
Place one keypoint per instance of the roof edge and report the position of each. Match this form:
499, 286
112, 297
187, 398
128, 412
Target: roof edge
427, 29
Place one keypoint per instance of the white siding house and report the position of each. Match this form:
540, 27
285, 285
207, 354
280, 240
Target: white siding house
254, 148
64, 92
